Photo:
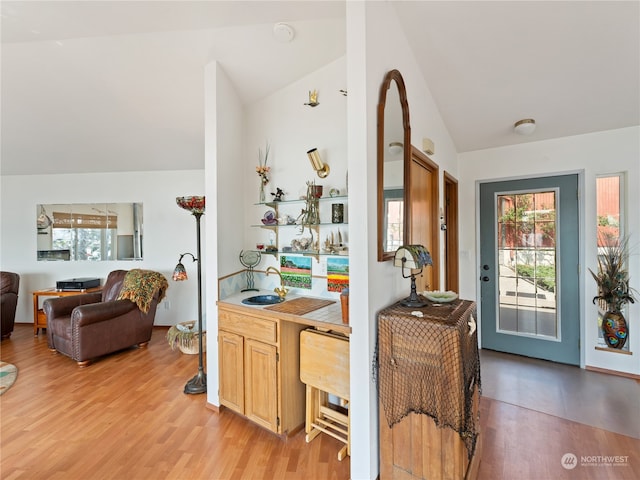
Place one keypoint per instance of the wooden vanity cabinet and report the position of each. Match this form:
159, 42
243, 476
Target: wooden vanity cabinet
231, 356
260, 369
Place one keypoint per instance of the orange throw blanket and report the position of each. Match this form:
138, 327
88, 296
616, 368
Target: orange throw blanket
140, 286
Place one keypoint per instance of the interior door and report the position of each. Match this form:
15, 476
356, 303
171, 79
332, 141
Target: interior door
423, 210
529, 266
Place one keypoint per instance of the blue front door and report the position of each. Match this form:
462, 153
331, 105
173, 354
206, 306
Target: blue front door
529, 267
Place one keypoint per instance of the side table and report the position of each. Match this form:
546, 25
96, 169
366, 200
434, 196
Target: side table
429, 384
39, 317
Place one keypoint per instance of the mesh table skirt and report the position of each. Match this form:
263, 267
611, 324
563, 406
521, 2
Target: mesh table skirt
430, 365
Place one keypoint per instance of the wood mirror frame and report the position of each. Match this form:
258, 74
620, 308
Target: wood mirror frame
392, 77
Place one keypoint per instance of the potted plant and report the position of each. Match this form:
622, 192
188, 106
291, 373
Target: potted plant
613, 287
184, 335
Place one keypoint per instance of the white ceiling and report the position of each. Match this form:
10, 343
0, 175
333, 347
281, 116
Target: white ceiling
87, 85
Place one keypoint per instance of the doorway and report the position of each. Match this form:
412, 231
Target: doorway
529, 267
423, 211
451, 255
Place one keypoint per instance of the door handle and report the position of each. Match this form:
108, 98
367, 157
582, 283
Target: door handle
484, 278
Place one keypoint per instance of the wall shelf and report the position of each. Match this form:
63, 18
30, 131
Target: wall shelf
290, 225
275, 228
273, 204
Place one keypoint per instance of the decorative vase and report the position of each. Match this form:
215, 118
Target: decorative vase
614, 329
316, 191
337, 213
262, 194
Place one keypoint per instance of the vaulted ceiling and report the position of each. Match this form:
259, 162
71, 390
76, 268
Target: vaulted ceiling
86, 85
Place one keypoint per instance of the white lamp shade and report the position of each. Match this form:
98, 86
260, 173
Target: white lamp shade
412, 256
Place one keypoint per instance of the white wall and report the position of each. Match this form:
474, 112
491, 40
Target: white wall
168, 231
375, 45
592, 154
292, 128
224, 186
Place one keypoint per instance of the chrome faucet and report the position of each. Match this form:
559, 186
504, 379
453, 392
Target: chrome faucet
281, 290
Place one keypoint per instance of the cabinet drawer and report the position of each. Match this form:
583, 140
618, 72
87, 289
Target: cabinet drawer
249, 327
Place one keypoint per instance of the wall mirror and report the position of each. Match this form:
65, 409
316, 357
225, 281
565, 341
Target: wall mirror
394, 157
89, 231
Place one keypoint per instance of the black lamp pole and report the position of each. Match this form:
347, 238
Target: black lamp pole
198, 384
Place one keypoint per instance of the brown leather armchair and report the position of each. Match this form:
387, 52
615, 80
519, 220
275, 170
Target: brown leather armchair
9, 283
87, 326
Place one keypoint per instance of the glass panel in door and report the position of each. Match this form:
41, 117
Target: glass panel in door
527, 264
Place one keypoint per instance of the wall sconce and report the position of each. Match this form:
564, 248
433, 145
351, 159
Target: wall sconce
313, 99
395, 148
322, 169
428, 147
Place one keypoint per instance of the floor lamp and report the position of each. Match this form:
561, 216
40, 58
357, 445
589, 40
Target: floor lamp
195, 205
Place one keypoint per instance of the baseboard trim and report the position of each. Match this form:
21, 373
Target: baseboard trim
613, 350
612, 372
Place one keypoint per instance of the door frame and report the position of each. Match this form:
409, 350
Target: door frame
581, 246
451, 250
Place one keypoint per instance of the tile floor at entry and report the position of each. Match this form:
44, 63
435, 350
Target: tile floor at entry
597, 399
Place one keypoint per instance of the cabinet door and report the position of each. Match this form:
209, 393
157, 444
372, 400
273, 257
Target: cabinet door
261, 384
231, 359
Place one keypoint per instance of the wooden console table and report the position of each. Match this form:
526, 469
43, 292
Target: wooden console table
429, 381
39, 317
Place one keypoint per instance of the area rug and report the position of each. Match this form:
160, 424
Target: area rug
8, 375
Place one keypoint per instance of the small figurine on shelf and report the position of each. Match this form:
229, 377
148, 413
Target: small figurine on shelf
277, 197
335, 246
290, 220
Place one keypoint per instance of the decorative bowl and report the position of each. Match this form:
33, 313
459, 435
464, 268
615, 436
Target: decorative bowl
440, 297
193, 204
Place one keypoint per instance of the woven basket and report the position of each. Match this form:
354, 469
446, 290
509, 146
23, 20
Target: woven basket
189, 344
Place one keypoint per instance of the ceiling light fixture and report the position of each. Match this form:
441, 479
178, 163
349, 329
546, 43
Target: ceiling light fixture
395, 148
525, 126
283, 33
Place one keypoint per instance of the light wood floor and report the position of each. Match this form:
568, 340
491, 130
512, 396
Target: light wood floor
125, 417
